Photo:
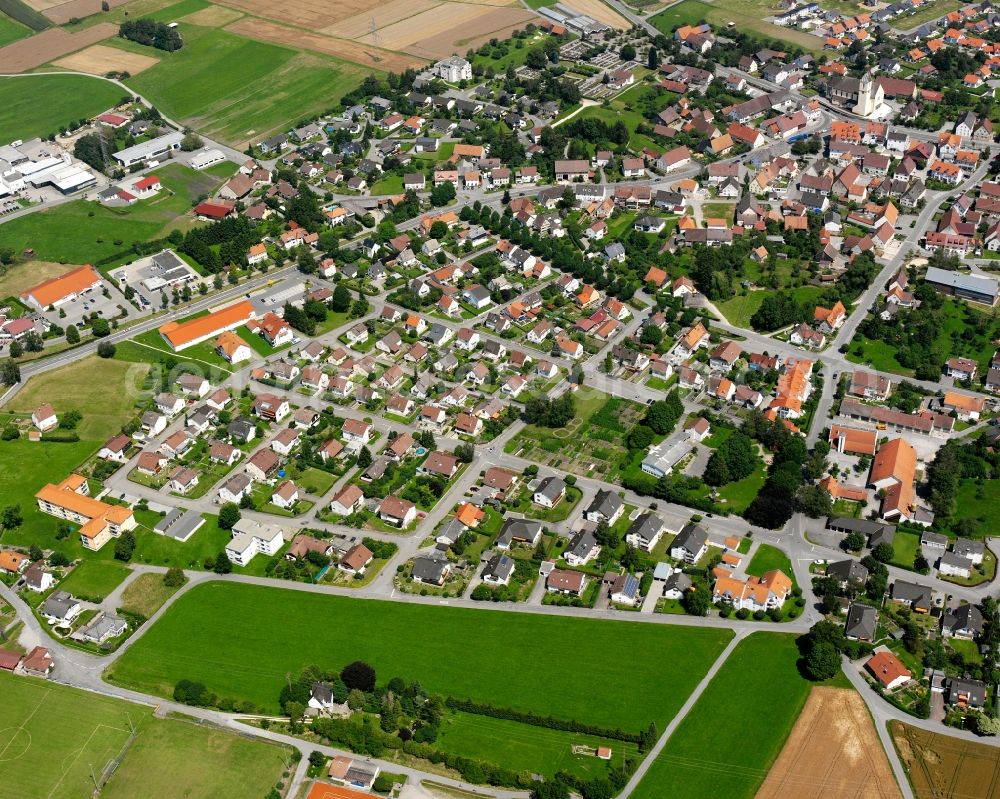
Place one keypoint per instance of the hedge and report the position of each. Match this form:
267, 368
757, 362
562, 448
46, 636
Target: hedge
483, 709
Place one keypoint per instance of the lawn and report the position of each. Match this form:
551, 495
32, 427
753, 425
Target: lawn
718, 210
26, 466
54, 738
738, 496
174, 12
315, 481
81, 232
876, 354
747, 14
95, 579
223, 634
388, 184
149, 348
739, 309
236, 89
591, 444
11, 30
207, 542
931, 11
619, 111
905, 548
980, 503
68, 98
23, 276
104, 412
963, 331
767, 558
515, 56
146, 594
737, 728
524, 747
444, 152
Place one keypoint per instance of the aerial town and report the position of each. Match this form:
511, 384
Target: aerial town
355, 370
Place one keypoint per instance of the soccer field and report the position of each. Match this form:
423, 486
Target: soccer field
55, 741
51, 738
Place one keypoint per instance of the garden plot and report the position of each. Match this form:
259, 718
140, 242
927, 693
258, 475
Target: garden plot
591, 445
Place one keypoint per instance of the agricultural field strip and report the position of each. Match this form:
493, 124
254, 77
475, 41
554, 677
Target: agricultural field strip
833, 750
154, 663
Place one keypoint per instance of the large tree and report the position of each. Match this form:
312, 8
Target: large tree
823, 661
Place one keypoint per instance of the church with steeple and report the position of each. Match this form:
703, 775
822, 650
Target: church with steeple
862, 96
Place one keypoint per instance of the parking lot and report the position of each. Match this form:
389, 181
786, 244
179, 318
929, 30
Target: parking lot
153, 275
90, 302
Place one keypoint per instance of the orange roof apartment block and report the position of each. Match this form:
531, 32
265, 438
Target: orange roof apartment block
793, 389
71, 500
62, 289
180, 335
763, 593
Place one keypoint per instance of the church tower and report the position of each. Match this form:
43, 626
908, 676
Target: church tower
870, 96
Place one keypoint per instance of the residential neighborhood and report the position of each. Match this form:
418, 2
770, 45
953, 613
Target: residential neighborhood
610, 327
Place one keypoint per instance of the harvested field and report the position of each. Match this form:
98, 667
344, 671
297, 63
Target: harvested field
457, 38
945, 767
27, 54
311, 14
24, 276
430, 24
212, 17
100, 59
61, 13
41, 5
359, 26
595, 9
833, 752
349, 51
